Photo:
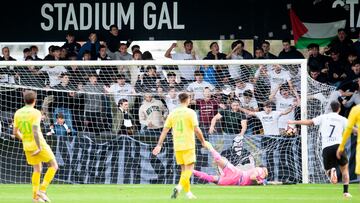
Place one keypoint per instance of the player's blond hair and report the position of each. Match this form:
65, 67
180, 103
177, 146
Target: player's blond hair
29, 96
183, 97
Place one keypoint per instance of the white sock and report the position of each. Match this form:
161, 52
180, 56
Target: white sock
190, 195
179, 187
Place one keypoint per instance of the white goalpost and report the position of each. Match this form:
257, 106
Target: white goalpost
304, 129
102, 118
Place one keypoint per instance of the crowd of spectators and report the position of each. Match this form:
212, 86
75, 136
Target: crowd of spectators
75, 99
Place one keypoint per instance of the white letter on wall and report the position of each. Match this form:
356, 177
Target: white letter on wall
104, 16
164, 17
151, 16
47, 16
175, 16
126, 16
71, 18
83, 7
60, 6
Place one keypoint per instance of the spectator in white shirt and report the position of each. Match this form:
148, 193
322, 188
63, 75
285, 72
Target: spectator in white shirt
270, 122
136, 71
188, 54
238, 53
284, 101
269, 118
197, 87
241, 87
248, 101
121, 90
54, 72
171, 99
276, 75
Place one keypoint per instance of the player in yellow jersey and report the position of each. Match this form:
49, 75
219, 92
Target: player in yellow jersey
353, 119
27, 128
184, 123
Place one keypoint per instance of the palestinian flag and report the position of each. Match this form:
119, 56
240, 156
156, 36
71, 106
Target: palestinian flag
319, 33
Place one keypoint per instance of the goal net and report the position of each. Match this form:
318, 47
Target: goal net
103, 118
319, 97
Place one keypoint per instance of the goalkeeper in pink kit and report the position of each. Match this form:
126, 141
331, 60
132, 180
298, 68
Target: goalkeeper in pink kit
231, 175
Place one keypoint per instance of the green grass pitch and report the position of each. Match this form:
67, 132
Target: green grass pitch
18, 193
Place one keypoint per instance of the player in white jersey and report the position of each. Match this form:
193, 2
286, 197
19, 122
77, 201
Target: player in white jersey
331, 128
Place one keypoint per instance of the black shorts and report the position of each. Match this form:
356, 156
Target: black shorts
329, 157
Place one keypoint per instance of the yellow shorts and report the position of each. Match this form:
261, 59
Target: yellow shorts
45, 155
185, 157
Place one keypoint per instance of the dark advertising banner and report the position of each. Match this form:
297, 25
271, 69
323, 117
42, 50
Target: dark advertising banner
26, 21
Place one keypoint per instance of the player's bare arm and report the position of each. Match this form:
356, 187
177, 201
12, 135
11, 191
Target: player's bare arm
37, 140
162, 137
243, 127
16, 133
273, 93
248, 112
200, 136
301, 122
217, 117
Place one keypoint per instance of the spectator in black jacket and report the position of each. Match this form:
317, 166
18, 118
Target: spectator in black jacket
148, 82
31, 76
342, 43
317, 75
259, 53
34, 50
266, 47
113, 42
354, 73
63, 99
316, 59
6, 55
214, 53
71, 45
50, 56
238, 51
171, 81
337, 72
92, 46
289, 52
26, 53
124, 125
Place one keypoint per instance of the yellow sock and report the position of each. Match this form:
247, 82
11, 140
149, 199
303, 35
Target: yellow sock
49, 176
185, 180
35, 181
181, 180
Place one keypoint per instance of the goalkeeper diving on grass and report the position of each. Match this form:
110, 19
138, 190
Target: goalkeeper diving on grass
230, 174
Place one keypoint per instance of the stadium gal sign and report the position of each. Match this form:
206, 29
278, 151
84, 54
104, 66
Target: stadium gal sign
350, 5
97, 16
50, 20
